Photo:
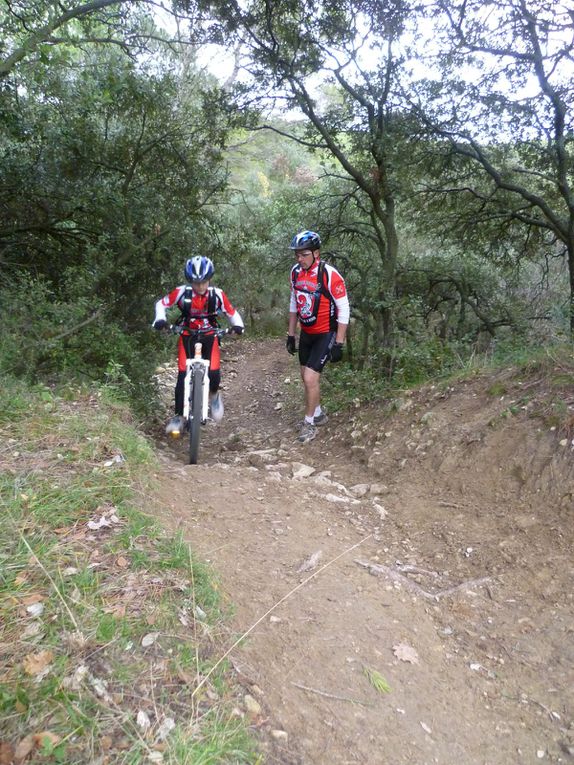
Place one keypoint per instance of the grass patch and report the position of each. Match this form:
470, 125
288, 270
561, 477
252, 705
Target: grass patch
497, 389
343, 387
540, 380
107, 625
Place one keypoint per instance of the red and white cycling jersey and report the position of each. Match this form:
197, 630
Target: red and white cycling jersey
197, 313
315, 311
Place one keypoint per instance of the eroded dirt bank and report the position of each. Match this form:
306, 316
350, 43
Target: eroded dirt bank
433, 546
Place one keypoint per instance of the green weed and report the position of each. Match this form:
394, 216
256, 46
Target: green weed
377, 680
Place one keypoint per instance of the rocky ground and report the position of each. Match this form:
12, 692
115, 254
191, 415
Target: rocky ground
405, 580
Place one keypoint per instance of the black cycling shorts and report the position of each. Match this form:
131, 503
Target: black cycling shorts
314, 350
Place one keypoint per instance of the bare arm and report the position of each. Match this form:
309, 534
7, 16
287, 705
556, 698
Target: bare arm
292, 323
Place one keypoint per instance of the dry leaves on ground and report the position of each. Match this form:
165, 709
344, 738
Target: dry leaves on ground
37, 663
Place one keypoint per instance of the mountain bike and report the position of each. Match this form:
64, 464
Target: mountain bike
196, 384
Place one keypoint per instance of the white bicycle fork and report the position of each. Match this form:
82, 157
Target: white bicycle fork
190, 365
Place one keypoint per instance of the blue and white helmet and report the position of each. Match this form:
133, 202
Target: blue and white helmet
199, 269
305, 240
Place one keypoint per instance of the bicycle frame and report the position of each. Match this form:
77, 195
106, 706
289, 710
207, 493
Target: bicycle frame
196, 386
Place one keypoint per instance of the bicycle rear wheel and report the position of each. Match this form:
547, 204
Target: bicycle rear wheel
195, 414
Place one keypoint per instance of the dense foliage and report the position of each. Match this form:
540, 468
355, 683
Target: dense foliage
110, 172
445, 197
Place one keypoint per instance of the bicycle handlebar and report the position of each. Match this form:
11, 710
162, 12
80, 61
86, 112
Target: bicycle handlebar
179, 329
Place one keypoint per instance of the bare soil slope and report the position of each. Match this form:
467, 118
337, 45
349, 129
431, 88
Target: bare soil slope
431, 545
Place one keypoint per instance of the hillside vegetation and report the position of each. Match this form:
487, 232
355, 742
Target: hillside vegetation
110, 628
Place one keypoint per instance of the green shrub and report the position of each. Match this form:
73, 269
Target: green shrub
70, 342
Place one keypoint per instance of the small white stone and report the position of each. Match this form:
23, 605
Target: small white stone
143, 720
35, 609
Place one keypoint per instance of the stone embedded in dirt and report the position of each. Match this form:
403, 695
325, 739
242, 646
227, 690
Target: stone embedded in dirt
261, 457
252, 707
311, 562
302, 471
360, 489
380, 510
405, 652
335, 498
279, 735
321, 478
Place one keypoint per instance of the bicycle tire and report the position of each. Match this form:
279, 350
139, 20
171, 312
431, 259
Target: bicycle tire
195, 414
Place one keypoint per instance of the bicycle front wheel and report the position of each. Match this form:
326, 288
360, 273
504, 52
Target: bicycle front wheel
195, 414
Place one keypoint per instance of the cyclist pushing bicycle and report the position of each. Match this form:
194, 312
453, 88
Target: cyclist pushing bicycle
199, 304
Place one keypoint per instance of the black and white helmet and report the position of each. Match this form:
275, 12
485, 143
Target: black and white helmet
199, 269
305, 240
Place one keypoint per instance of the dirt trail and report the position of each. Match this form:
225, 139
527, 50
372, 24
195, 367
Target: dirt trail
469, 617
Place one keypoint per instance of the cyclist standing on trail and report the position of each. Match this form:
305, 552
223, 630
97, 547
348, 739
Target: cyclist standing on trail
199, 305
319, 304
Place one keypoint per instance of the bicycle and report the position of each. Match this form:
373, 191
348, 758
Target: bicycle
196, 384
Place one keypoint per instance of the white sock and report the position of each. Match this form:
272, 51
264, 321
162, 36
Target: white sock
309, 419
318, 411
